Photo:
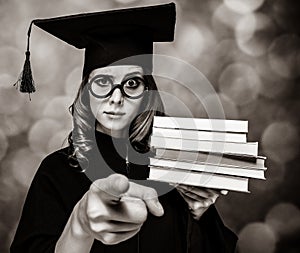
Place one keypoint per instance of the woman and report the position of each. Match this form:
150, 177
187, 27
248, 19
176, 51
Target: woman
81, 199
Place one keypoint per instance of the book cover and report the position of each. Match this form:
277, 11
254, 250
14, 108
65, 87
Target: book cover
243, 161
222, 125
250, 148
199, 135
202, 179
209, 168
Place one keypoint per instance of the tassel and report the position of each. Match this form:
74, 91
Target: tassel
25, 82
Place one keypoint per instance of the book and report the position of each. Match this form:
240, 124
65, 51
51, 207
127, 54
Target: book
209, 168
202, 179
243, 161
250, 148
199, 135
221, 125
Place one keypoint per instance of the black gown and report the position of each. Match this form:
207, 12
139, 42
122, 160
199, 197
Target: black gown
57, 187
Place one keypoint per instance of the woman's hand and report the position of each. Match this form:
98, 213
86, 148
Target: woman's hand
114, 209
198, 199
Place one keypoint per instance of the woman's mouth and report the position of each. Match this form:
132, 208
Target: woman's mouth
114, 113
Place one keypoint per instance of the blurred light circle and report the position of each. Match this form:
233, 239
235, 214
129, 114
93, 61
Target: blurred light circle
254, 33
14, 124
73, 82
280, 141
24, 165
226, 16
289, 112
189, 49
240, 82
8, 189
256, 237
274, 177
82, 6
284, 56
11, 100
40, 99
40, 134
125, 1
46, 59
226, 52
177, 105
18, 34
284, 219
229, 107
260, 113
286, 14
279, 88
245, 28
12, 61
7, 80
3, 144
272, 85
58, 141
244, 6
58, 109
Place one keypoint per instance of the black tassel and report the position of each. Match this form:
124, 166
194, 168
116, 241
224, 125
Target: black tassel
25, 82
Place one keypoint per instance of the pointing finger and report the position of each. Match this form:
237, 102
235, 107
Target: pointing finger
111, 188
148, 195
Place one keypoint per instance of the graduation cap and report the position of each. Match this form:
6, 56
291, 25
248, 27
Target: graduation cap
107, 37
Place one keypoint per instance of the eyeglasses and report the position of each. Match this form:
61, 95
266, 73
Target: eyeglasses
102, 86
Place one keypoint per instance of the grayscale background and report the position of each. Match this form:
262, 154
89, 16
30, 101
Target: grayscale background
248, 49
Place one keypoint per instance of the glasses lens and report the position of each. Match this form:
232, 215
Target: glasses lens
101, 85
134, 87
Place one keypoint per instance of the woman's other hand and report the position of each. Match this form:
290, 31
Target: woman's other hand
114, 209
198, 199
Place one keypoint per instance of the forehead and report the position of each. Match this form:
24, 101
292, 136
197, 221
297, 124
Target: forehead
117, 71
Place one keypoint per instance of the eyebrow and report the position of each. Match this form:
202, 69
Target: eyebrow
126, 76
133, 73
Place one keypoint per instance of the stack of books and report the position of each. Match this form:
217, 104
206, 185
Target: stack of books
211, 153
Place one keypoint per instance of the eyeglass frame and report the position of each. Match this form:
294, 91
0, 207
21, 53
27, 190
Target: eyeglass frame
115, 86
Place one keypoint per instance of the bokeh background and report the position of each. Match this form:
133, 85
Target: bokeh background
248, 49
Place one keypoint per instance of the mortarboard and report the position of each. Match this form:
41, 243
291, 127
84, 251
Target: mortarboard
108, 36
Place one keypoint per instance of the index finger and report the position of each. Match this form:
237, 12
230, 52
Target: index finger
112, 188
148, 195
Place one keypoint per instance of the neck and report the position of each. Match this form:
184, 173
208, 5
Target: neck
116, 134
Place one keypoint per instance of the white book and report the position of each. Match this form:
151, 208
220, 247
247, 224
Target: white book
221, 125
201, 179
209, 168
240, 161
199, 135
250, 148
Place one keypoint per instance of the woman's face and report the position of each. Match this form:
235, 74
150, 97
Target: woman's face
115, 112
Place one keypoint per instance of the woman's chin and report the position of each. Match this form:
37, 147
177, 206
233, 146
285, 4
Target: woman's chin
114, 128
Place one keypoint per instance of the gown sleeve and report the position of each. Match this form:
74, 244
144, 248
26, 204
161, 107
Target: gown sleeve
209, 234
212, 233
45, 212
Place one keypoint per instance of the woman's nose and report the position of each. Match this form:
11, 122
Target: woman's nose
116, 97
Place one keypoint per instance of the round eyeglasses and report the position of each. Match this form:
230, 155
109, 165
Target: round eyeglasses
102, 86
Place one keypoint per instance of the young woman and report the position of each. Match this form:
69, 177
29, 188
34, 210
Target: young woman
83, 198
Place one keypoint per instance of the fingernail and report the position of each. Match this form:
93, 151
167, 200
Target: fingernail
159, 206
224, 192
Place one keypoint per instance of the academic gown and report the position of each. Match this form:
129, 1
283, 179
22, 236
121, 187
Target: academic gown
57, 187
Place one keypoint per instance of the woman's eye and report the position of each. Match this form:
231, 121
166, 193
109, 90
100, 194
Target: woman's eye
103, 81
134, 83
